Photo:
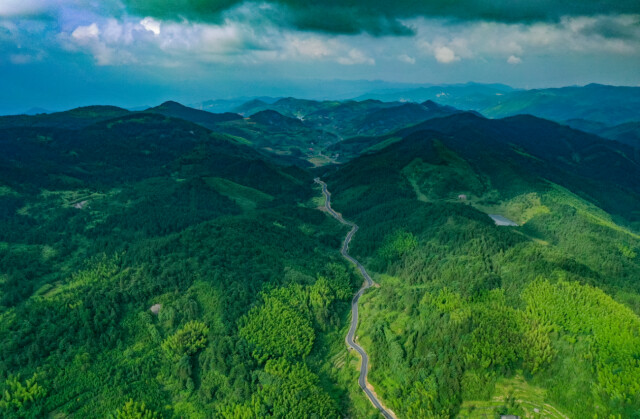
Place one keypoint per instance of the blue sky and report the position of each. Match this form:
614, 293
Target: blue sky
59, 54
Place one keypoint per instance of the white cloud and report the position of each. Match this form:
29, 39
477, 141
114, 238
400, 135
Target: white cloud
114, 42
85, 33
445, 55
355, 56
151, 25
313, 47
514, 60
321, 48
490, 40
406, 59
249, 35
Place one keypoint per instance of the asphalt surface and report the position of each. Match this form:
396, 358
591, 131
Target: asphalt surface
368, 282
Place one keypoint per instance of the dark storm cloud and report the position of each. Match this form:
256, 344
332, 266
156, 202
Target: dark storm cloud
383, 17
614, 28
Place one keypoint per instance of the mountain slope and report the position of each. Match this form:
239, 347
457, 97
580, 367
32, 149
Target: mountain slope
611, 105
204, 118
276, 120
627, 133
536, 148
147, 259
468, 310
289, 106
150, 264
72, 119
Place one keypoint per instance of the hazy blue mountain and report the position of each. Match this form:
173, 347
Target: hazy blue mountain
611, 105
228, 105
440, 93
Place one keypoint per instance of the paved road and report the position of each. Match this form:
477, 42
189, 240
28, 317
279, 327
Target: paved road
364, 365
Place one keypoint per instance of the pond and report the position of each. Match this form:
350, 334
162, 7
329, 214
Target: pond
501, 220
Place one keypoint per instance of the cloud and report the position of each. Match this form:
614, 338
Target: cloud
611, 27
444, 50
355, 56
85, 33
406, 59
260, 38
20, 59
314, 48
381, 17
482, 41
148, 42
445, 55
514, 60
151, 25
321, 48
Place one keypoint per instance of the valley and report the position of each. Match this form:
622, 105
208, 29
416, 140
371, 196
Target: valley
502, 258
368, 283
287, 209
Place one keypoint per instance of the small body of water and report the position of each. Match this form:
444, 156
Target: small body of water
502, 220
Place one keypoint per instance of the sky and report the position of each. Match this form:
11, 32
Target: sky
58, 54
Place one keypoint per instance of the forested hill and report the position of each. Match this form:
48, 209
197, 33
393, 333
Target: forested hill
476, 318
72, 119
516, 150
152, 268
132, 148
207, 119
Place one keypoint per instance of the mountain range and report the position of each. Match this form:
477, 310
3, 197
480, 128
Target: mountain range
174, 262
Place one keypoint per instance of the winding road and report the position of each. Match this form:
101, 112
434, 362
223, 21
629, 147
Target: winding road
368, 282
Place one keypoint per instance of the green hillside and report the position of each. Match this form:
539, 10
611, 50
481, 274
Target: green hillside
473, 319
149, 265
153, 267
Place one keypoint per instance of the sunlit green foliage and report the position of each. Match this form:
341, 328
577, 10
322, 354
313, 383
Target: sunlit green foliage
289, 390
135, 410
277, 330
461, 307
98, 224
397, 245
188, 340
21, 399
103, 221
612, 330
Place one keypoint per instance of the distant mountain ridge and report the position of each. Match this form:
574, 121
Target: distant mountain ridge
611, 105
180, 258
204, 118
72, 119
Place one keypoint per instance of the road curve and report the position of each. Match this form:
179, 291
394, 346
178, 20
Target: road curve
368, 282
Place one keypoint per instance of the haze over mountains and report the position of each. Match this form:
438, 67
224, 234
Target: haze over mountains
608, 111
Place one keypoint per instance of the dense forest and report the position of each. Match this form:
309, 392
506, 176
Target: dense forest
102, 223
169, 264
473, 319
